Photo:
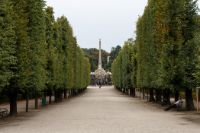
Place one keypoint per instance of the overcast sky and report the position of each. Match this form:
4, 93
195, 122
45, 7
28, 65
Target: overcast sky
114, 21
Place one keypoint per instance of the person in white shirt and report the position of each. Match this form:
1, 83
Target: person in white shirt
178, 104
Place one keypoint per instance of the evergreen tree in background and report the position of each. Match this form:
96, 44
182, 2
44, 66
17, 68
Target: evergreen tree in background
93, 55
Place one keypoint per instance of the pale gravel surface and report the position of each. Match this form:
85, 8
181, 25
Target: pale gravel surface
102, 110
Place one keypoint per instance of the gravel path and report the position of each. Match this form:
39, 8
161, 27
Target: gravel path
102, 110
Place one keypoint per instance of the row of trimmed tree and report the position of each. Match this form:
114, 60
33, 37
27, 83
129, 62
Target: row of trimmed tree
164, 59
38, 54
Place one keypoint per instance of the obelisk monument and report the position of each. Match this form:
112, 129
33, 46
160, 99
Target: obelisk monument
100, 72
100, 59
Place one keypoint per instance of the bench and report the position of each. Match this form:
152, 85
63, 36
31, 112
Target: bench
3, 112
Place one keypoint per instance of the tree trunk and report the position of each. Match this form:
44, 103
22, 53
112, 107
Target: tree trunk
133, 92
69, 94
176, 95
158, 95
74, 92
77, 91
143, 94
61, 95
13, 101
151, 95
56, 96
147, 93
44, 100
166, 97
27, 100
50, 97
189, 99
36, 99
65, 93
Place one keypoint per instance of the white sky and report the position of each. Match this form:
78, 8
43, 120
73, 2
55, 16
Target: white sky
114, 21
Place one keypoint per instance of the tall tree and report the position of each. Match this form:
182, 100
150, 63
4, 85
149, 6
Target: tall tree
8, 58
122, 69
189, 48
36, 32
66, 43
51, 51
22, 81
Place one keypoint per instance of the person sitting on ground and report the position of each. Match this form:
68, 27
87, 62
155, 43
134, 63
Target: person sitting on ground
177, 104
